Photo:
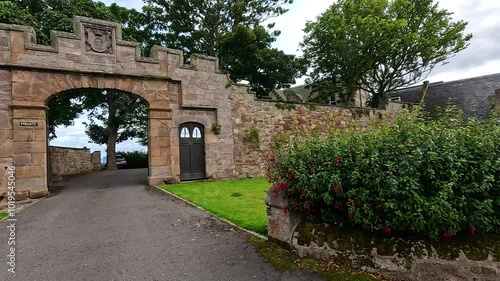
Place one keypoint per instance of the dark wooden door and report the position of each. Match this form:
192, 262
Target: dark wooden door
192, 151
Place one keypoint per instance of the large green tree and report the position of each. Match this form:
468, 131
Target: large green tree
114, 117
238, 32
378, 46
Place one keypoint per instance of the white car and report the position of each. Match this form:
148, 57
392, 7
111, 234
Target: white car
121, 162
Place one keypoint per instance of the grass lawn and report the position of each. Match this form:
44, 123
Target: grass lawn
239, 201
3, 215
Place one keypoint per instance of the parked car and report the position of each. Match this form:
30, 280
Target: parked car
121, 162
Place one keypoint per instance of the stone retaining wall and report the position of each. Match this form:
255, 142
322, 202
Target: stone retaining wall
474, 258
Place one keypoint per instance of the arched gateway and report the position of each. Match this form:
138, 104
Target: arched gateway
94, 56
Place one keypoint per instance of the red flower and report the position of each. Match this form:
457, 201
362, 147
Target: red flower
337, 160
377, 207
336, 206
447, 235
312, 171
387, 230
472, 230
282, 185
321, 160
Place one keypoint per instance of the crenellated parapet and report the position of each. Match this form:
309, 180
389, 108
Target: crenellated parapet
93, 46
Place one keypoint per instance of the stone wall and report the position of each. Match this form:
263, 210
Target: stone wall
67, 161
271, 119
474, 258
96, 160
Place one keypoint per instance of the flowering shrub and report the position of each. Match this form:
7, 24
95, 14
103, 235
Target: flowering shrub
435, 178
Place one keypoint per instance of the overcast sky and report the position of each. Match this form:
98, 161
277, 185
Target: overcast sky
481, 58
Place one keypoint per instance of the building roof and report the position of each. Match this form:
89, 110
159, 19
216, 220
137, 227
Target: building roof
470, 94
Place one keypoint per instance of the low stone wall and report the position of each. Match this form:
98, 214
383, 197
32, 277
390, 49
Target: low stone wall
461, 258
66, 161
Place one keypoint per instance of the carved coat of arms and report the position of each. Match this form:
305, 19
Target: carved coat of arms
98, 40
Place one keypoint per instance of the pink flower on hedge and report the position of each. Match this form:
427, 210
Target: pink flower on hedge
321, 160
312, 171
447, 235
387, 230
336, 206
292, 173
282, 185
337, 160
473, 230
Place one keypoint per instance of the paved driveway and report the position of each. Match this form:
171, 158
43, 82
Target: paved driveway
109, 226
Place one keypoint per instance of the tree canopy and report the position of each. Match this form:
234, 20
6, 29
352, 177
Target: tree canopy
378, 46
238, 32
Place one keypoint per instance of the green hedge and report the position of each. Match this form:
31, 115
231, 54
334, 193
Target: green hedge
435, 178
135, 159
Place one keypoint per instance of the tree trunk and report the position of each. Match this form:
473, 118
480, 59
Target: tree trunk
112, 132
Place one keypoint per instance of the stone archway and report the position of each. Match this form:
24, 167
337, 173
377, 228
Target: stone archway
95, 56
31, 90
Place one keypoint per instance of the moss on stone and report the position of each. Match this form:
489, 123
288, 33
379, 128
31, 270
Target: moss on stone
284, 260
408, 247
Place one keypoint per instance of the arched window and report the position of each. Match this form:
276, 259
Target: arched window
196, 133
185, 133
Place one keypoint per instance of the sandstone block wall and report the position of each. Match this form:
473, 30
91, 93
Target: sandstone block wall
67, 161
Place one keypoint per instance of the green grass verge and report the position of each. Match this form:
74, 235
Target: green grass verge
239, 201
283, 260
3, 215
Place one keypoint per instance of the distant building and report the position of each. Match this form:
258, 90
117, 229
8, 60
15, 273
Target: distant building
476, 96
302, 94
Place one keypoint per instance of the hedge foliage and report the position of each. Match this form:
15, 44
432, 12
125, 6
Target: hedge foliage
434, 178
135, 159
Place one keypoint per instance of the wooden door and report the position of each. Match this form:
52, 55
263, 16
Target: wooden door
192, 151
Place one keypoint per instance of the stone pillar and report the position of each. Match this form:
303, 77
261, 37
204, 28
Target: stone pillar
30, 150
280, 223
160, 123
96, 160
6, 142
